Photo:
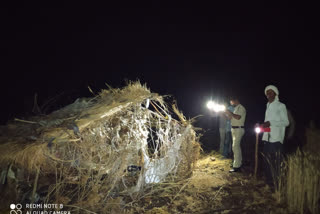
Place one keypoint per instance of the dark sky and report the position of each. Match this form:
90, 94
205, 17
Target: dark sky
192, 51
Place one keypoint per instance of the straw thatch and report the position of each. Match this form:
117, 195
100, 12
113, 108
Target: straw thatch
97, 150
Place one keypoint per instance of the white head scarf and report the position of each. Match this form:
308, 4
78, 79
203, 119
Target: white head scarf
273, 88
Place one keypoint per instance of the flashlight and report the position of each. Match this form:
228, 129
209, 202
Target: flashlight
218, 108
210, 104
215, 107
261, 129
257, 130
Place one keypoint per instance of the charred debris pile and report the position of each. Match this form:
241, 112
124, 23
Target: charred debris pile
98, 152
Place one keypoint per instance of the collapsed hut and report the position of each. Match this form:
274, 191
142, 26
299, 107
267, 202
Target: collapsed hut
118, 143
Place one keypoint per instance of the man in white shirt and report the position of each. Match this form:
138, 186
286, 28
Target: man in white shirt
276, 118
238, 117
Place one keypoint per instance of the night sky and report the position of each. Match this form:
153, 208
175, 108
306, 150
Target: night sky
191, 51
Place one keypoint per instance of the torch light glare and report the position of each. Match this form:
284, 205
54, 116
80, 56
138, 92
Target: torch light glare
215, 107
218, 108
257, 129
210, 104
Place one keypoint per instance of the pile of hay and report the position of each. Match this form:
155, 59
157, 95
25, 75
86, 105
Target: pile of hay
98, 153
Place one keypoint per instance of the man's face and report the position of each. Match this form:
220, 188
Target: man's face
271, 95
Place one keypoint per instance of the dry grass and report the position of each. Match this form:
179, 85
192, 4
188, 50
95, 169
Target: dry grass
299, 184
88, 158
303, 182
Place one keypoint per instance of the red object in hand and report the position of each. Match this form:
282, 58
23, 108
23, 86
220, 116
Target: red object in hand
260, 129
266, 129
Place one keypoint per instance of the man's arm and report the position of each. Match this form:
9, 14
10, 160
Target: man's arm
228, 116
231, 115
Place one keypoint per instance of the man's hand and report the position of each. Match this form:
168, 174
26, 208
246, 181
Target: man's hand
232, 115
265, 124
228, 114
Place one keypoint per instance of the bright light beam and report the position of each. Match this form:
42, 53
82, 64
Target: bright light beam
210, 105
218, 108
257, 130
215, 107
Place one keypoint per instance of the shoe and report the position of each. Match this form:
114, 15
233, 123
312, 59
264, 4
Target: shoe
234, 169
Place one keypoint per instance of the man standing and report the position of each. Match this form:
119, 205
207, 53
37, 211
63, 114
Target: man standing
276, 117
238, 118
222, 131
228, 141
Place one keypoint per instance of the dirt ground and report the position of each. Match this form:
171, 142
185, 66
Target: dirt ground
212, 189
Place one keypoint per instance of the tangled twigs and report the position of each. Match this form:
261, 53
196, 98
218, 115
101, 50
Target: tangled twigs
182, 188
214, 197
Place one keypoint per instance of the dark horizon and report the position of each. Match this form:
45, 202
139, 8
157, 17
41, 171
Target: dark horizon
192, 52
191, 90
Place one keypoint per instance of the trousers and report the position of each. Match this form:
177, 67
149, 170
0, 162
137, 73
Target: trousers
222, 133
272, 161
227, 145
237, 135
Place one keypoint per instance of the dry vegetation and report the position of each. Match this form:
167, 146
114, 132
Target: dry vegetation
299, 185
97, 155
